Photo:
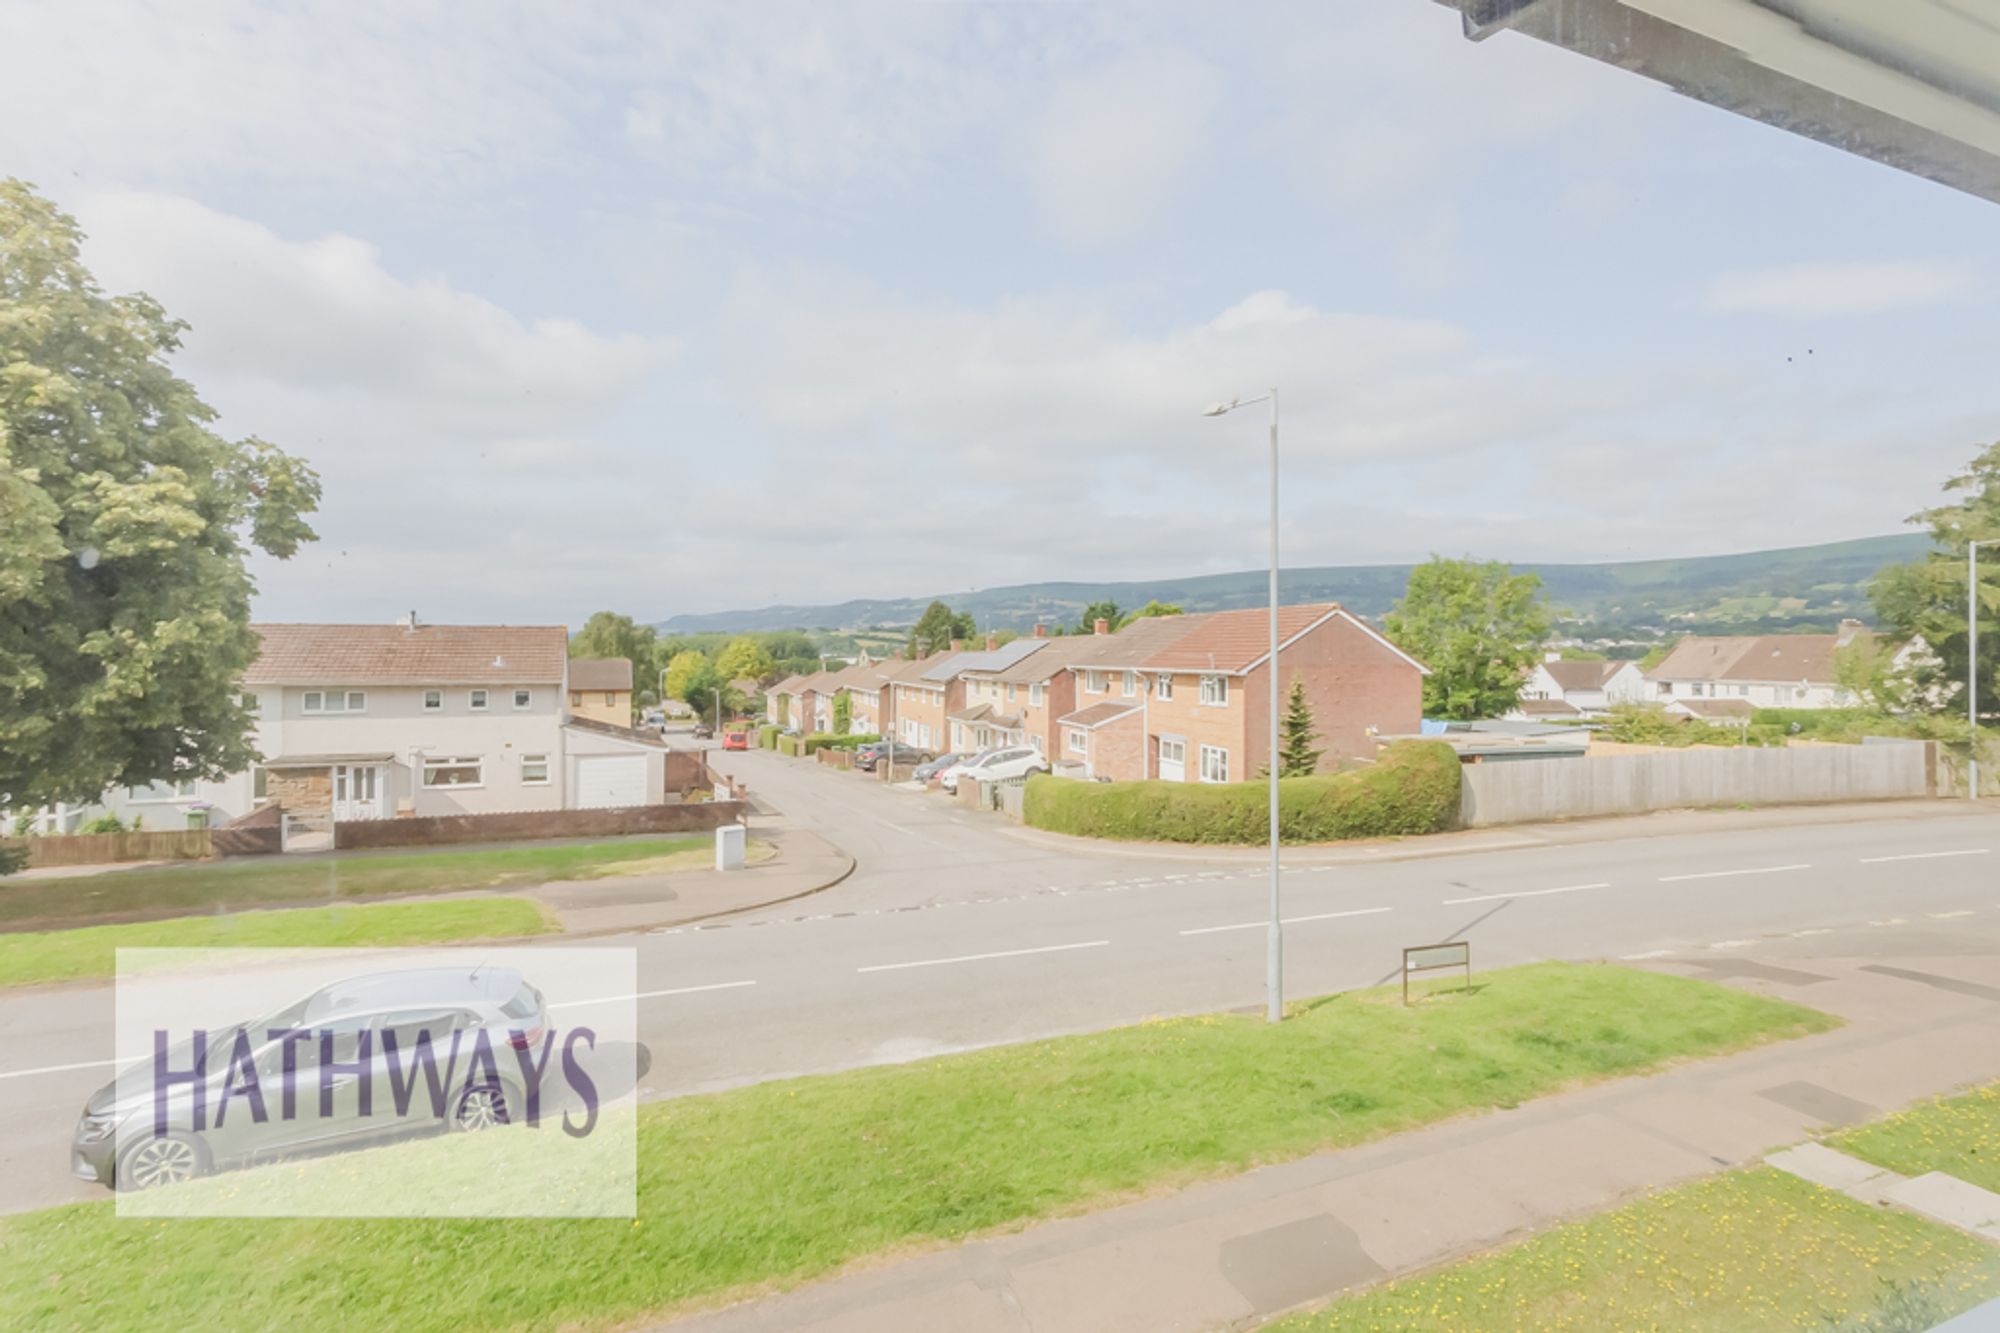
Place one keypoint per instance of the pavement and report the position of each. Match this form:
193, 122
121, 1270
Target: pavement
1232, 1253
802, 863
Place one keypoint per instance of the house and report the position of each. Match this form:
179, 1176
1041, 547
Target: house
1588, 688
1768, 670
1027, 697
780, 701
1715, 712
865, 682
983, 708
1185, 698
359, 722
918, 691
600, 688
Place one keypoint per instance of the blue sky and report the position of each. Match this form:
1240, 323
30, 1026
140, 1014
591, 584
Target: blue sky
674, 308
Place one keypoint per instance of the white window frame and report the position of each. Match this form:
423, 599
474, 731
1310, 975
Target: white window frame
544, 779
474, 762
476, 700
1220, 771
1079, 741
433, 701
1010, 691
260, 784
1093, 682
1129, 685
1215, 691
348, 701
524, 698
1163, 685
1179, 745
1035, 695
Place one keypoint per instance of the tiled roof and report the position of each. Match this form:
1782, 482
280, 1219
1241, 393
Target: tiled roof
789, 685
977, 713
636, 735
1138, 643
1725, 708
1232, 641
394, 654
994, 659
1778, 658
600, 673
1581, 675
916, 670
1547, 708
1097, 715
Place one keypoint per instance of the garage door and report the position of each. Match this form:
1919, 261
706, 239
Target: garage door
611, 780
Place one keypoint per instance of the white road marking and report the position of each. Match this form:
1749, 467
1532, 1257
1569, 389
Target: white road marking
1725, 874
652, 994
1732, 944
1523, 893
1892, 921
1822, 930
1947, 916
57, 1069
982, 957
1920, 856
1289, 920
1651, 953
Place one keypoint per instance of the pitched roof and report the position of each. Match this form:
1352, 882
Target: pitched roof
1097, 715
1581, 675
600, 673
1781, 658
1136, 644
1232, 642
789, 685
636, 735
1547, 708
917, 670
992, 659
1723, 708
400, 655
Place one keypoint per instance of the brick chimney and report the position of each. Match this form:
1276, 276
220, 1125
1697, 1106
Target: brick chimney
1041, 630
958, 645
992, 642
1848, 629
1102, 626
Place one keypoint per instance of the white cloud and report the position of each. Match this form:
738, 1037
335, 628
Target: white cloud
1840, 289
1115, 145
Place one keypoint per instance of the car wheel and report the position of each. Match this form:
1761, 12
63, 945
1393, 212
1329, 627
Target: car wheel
483, 1107
170, 1159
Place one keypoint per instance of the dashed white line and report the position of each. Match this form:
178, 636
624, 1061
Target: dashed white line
1523, 893
57, 1069
652, 994
1732, 944
1947, 916
1725, 874
1820, 930
1289, 920
982, 957
1920, 856
1650, 953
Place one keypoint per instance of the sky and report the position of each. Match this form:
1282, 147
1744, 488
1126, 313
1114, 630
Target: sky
670, 308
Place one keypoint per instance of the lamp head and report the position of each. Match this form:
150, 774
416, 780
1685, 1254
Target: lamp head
1216, 409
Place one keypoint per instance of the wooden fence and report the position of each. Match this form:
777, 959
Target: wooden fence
90, 849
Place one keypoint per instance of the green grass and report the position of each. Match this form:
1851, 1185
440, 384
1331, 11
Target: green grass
1959, 1136
162, 891
1749, 1250
784, 1181
31, 957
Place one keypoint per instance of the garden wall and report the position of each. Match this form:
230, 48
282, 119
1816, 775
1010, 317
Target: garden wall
528, 825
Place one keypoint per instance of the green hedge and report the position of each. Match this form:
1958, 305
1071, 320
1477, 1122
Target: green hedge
767, 737
1413, 788
827, 740
788, 745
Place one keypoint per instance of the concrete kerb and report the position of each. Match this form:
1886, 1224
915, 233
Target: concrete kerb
1457, 842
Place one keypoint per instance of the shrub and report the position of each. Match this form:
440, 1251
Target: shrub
1412, 788
767, 737
103, 824
788, 745
13, 860
823, 740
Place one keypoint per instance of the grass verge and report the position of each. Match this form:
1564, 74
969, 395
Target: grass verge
1959, 1136
163, 891
32, 957
788, 1180
1749, 1250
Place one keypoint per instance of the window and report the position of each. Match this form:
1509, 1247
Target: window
610, 700
179, 790
1079, 743
1697, 689
526, 698
1173, 750
453, 773
476, 700
433, 701
1035, 694
1010, 692
1130, 685
1215, 690
576, 698
1093, 682
1163, 686
333, 701
534, 770
260, 783
1214, 764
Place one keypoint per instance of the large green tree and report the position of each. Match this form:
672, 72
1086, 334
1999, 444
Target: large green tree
1104, 609
937, 627
1928, 598
1478, 626
124, 524
608, 634
684, 671
745, 659
1156, 607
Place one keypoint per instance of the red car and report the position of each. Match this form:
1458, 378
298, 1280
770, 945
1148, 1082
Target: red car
736, 740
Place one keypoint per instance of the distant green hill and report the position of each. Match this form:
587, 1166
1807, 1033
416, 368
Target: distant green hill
1798, 588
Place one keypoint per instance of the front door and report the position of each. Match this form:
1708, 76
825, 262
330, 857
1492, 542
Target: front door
357, 791
1173, 759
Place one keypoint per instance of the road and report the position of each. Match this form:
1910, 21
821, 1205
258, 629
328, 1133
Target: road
954, 933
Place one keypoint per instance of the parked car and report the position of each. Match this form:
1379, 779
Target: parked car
736, 740
1019, 761
115, 1142
868, 757
928, 771
704, 732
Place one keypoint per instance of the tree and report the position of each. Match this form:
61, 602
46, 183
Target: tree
1296, 756
1658, 653
1150, 609
937, 627
745, 659
1927, 598
1866, 668
124, 524
608, 634
1105, 610
1478, 626
705, 690
684, 671
843, 713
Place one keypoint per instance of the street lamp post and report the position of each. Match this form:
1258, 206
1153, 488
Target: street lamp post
1972, 661
1274, 981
